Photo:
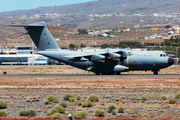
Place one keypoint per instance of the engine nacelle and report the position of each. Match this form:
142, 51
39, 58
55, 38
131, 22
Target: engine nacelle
97, 58
120, 68
114, 56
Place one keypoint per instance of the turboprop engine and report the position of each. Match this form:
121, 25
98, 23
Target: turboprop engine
97, 58
113, 56
120, 68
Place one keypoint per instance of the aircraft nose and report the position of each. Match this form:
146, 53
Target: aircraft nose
170, 61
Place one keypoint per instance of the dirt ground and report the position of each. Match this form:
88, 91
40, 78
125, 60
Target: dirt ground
18, 90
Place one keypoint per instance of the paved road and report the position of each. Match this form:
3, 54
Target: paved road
92, 75
85, 94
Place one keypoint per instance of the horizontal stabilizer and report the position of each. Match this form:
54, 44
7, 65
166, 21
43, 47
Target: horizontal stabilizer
39, 24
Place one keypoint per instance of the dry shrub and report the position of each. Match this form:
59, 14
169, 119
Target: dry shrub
99, 113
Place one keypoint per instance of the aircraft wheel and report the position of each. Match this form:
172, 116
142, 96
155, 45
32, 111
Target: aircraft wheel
103, 73
118, 73
111, 73
155, 72
97, 73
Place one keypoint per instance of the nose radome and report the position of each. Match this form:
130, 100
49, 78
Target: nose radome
170, 61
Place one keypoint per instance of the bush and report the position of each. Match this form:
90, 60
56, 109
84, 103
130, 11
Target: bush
93, 98
30, 113
3, 113
57, 109
67, 96
177, 95
117, 99
52, 98
134, 115
121, 110
113, 112
172, 101
144, 97
80, 115
22, 113
84, 104
46, 102
133, 98
87, 104
3, 104
78, 97
79, 103
72, 99
110, 108
163, 97
63, 104
46, 110
38, 110
99, 113
57, 116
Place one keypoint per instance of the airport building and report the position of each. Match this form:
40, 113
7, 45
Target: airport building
23, 55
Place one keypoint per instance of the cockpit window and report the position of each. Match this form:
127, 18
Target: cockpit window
163, 55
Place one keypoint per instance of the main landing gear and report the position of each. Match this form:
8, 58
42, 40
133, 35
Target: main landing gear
155, 72
113, 73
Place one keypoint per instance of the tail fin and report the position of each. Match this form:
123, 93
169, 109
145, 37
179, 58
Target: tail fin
40, 35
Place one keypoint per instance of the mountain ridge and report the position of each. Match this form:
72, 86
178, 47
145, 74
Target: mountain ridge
101, 6
100, 13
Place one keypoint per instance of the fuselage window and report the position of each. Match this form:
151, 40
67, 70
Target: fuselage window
164, 55
161, 55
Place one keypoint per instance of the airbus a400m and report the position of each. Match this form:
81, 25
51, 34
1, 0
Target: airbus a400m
104, 62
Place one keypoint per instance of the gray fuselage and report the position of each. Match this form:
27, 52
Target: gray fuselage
135, 60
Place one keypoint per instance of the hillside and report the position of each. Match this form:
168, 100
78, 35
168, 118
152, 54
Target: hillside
104, 6
64, 39
100, 13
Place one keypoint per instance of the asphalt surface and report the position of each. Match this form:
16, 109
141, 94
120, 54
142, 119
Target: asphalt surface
92, 75
86, 93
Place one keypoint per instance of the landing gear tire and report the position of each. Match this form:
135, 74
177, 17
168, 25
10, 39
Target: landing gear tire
97, 73
118, 73
155, 72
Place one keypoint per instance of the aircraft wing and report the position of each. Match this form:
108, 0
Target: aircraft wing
86, 56
98, 56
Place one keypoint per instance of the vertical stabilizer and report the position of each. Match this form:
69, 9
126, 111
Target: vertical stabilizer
40, 35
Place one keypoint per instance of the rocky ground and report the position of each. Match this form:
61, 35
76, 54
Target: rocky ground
30, 93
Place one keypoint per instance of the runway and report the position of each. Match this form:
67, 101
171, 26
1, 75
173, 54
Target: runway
131, 94
91, 75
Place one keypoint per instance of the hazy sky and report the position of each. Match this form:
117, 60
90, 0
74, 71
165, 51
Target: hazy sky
9, 5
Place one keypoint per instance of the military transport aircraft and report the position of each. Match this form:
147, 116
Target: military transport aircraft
104, 62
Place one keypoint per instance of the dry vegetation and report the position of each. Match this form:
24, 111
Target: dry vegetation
29, 93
